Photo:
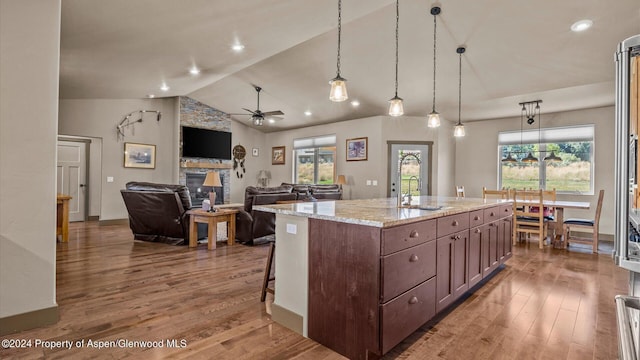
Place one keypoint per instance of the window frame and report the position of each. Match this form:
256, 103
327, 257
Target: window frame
316, 144
542, 144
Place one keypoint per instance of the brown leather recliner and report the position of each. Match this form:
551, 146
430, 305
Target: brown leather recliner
157, 212
251, 224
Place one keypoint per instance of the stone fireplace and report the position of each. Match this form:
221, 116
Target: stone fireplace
198, 192
193, 170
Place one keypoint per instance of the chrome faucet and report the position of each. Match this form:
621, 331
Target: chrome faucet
402, 159
408, 197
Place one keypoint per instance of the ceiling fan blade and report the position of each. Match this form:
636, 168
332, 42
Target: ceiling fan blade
269, 113
251, 111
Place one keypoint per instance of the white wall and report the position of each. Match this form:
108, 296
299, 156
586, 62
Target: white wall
29, 65
250, 139
477, 157
98, 118
379, 130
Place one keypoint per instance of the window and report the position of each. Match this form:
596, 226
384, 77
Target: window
314, 160
573, 175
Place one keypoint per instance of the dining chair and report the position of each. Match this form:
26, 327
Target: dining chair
525, 221
572, 224
460, 191
500, 194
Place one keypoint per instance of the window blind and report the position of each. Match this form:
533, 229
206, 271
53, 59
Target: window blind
313, 142
545, 136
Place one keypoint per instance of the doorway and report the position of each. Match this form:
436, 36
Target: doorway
72, 176
416, 168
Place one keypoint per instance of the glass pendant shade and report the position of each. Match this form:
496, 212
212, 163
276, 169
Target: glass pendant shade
338, 89
458, 130
395, 106
553, 157
509, 159
530, 159
433, 120
257, 120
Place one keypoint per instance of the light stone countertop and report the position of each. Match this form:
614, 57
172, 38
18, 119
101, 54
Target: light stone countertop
381, 212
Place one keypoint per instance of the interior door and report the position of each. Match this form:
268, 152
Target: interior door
414, 173
72, 176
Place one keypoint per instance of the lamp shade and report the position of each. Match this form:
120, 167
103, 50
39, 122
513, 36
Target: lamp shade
530, 159
341, 180
262, 175
212, 179
395, 107
458, 130
433, 120
509, 159
553, 157
338, 89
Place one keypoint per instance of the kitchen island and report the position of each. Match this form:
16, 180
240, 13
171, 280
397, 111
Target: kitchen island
359, 276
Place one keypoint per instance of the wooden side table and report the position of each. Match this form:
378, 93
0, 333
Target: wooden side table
62, 216
212, 219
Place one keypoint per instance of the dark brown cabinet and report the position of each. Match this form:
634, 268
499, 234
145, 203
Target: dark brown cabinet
453, 277
369, 287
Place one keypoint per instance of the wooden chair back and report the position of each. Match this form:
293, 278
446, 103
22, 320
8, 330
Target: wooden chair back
525, 220
584, 224
460, 191
499, 194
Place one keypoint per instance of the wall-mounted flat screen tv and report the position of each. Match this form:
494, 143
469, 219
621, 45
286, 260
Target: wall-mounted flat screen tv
204, 143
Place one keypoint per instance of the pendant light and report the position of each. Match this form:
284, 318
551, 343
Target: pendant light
433, 120
395, 104
458, 130
553, 157
529, 111
338, 84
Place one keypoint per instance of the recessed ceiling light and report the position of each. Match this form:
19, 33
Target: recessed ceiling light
581, 25
308, 113
194, 71
271, 121
355, 103
151, 96
237, 47
164, 87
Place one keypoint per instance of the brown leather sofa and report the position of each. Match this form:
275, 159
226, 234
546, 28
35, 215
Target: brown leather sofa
251, 225
157, 212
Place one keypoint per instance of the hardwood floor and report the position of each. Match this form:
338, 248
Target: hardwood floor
550, 304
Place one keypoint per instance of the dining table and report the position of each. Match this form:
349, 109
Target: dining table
559, 206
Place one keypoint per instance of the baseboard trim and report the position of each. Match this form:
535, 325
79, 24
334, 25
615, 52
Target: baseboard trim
287, 318
29, 320
113, 222
601, 237
93, 218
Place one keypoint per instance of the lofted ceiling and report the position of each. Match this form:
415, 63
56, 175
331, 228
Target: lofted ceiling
517, 50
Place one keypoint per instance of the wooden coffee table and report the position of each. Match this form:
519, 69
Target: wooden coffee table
212, 219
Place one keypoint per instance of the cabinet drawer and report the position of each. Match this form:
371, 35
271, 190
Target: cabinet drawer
404, 236
407, 268
491, 214
407, 313
506, 210
453, 223
476, 218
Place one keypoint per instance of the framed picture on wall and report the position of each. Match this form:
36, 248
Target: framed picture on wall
255, 151
141, 156
357, 149
277, 155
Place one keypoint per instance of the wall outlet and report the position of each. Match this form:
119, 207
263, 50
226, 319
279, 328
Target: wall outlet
109, 179
368, 182
375, 182
292, 229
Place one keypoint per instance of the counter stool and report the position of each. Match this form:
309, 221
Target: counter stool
267, 272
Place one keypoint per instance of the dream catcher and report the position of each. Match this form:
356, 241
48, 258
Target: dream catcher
239, 152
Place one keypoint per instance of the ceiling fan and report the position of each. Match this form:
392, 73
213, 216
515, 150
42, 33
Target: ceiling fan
257, 116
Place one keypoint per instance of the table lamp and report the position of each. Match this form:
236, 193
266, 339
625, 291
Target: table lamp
212, 179
341, 181
263, 177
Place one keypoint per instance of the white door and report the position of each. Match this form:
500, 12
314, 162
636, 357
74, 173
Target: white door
72, 176
415, 169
